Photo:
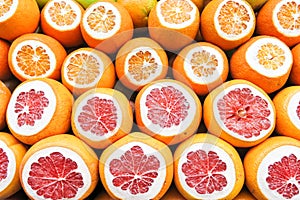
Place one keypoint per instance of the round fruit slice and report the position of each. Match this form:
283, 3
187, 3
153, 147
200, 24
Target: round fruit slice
11, 155
36, 55
141, 61
101, 116
287, 105
60, 19
263, 60
174, 23
168, 110
87, 68
280, 18
272, 168
18, 17
39, 108
240, 113
106, 25
59, 167
5, 95
206, 167
201, 65
136, 167
228, 23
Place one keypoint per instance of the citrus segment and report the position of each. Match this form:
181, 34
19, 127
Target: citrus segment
141, 61
39, 108
201, 65
87, 68
207, 168
227, 24
36, 56
60, 19
263, 60
136, 167
280, 19
101, 116
240, 113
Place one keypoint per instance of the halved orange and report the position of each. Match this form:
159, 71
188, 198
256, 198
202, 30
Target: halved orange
136, 167
101, 116
174, 23
12, 152
86, 68
141, 61
36, 55
59, 167
168, 110
61, 19
239, 112
280, 18
39, 108
207, 167
263, 60
272, 169
18, 17
202, 65
227, 23
106, 25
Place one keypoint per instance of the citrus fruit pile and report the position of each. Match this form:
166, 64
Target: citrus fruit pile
150, 99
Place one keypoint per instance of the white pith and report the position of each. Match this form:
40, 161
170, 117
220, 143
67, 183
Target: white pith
253, 61
185, 24
152, 76
229, 173
11, 167
82, 168
293, 103
34, 44
68, 62
101, 35
11, 11
158, 183
74, 7
250, 24
288, 33
255, 92
12, 116
89, 134
173, 130
203, 80
262, 172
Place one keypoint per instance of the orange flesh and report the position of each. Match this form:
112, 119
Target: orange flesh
5, 6
101, 20
271, 56
178, 13
203, 63
289, 17
62, 14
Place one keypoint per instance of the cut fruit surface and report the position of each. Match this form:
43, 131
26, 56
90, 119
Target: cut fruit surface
87, 68
168, 110
207, 167
136, 167
141, 61
240, 113
39, 108
101, 116
59, 167
201, 65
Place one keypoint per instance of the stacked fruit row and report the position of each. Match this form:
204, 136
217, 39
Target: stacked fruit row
166, 99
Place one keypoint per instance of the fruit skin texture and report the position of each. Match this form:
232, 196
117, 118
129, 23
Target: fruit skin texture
265, 24
212, 124
5, 71
70, 142
211, 139
24, 20
209, 32
5, 95
294, 77
240, 69
61, 119
254, 157
257, 4
284, 126
148, 140
19, 151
